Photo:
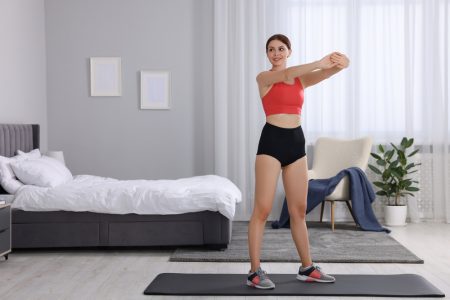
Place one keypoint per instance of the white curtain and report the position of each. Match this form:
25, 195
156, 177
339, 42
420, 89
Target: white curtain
238, 31
397, 84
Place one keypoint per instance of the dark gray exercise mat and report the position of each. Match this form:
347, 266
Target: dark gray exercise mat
398, 285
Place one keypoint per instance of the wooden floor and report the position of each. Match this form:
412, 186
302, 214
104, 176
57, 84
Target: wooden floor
125, 274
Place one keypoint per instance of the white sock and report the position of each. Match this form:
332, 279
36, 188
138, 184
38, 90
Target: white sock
305, 268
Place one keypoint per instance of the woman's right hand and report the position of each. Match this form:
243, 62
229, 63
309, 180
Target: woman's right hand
326, 63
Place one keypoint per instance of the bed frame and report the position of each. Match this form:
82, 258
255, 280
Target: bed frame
87, 229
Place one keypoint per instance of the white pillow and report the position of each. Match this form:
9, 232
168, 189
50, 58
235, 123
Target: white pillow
8, 179
5, 170
35, 153
40, 172
59, 166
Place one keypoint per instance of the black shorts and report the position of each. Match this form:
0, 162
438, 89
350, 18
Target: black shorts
285, 144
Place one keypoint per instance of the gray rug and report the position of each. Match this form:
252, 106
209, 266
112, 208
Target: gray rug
346, 244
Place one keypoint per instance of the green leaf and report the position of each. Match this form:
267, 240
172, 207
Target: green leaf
376, 156
404, 142
381, 162
395, 147
412, 172
409, 166
401, 157
406, 182
380, 148
397, 174
379, 184
414, 152
394, 164
375, 170
412, 189
381, 193
389, 154
410, 142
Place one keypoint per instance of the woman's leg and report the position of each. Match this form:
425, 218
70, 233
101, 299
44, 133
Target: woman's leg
295, 181
267, 171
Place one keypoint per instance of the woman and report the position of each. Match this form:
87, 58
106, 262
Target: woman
282, 148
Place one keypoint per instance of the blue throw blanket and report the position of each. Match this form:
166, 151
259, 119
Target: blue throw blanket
361, 194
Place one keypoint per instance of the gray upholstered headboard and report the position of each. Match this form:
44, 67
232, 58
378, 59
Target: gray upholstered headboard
15, 137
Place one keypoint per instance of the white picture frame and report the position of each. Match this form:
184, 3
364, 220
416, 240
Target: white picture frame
155, 89
106, 76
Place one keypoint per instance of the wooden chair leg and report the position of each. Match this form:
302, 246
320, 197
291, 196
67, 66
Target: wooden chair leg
351, 211
332, 215
321, 211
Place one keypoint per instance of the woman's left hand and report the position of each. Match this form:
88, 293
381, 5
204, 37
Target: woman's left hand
340, 59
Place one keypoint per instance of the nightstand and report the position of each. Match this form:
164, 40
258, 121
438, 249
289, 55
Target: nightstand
5, 230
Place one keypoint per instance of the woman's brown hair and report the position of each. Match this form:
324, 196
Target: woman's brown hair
280, 37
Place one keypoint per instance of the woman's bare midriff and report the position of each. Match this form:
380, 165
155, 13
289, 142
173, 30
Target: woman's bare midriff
284, 120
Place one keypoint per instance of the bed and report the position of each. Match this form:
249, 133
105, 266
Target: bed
65, 228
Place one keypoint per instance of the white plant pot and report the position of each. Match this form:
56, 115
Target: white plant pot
395, 215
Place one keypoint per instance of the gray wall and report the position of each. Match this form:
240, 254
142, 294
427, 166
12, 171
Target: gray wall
111, 136
22, 64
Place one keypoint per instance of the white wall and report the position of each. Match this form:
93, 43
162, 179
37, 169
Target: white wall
23, 64
111, 136
45, 46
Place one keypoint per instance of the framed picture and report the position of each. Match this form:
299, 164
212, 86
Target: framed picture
155, 90
106, 77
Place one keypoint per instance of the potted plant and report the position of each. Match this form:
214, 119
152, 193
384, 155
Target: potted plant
395, 183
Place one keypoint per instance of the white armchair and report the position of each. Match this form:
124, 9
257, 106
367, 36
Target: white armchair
332, 156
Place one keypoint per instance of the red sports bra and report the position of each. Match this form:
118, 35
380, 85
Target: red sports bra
284, 98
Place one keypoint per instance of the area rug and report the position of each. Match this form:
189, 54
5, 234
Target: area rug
346, 244
396, 285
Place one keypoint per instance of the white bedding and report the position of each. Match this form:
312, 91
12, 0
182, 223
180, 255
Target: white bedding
108, 195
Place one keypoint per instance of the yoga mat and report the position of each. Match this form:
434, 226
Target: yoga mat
398, 285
